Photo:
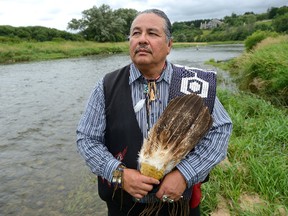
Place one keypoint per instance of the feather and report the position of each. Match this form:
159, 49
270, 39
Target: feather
181, 126
139, 105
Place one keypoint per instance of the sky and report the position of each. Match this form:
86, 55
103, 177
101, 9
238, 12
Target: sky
58, 13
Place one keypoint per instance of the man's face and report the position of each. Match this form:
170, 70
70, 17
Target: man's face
148, 43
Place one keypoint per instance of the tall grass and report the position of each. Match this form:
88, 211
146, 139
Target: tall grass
264, 71
258, 159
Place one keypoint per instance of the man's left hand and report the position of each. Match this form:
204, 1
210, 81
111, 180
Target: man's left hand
173, 185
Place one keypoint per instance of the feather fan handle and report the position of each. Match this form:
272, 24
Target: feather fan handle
181, 126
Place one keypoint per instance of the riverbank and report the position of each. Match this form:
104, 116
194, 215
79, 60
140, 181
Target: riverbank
262, 71
253, 180
39, 51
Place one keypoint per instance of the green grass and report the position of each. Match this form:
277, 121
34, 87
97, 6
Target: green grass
258, 157
256, 174
38, 51
262, 71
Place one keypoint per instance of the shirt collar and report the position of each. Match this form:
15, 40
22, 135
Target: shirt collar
135, 74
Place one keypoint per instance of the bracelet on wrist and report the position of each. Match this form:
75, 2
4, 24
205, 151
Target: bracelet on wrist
117, 179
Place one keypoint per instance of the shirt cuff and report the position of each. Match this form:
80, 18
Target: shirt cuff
188, 172
110, 167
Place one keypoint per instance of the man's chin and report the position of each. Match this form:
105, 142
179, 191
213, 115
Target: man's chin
141, 61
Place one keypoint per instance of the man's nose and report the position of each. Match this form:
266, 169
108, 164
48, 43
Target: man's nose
143, 38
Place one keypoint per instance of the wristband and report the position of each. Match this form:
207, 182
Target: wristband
117, 179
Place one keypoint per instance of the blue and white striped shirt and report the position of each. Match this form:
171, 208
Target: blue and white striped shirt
195, 166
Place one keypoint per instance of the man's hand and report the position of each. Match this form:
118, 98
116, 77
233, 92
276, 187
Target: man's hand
173, 186
136, 184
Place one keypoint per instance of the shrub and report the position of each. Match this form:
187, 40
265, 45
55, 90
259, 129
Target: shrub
256, 38
265, 70
280, 24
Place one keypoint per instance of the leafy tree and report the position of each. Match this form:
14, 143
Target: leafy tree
37, 33
282, 10
231, 20
128, 15
100, 24
272, 12
262, 16
181, 38
7, 31
263, 27
256, 38
280, 23
249, 18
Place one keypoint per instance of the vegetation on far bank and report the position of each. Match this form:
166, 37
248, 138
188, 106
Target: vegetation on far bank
25, 51
37, 51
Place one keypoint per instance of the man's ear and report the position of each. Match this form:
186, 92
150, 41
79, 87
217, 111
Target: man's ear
170, 43
169, 46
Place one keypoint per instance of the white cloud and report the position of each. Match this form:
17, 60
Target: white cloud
57, 13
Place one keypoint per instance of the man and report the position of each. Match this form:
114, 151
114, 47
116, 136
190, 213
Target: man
110, 132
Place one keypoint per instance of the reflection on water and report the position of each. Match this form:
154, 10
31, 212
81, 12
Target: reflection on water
41, 103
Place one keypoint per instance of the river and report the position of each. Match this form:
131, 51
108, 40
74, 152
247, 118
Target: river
41, 104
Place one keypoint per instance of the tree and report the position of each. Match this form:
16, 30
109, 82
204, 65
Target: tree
128, 15
100, 24
282, 10
272, 12
280, 23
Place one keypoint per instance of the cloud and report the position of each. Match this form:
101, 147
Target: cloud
57, 13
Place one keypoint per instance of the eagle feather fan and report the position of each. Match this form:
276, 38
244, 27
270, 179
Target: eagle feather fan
181, 126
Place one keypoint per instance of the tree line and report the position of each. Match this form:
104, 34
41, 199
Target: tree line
35, 33
102, 24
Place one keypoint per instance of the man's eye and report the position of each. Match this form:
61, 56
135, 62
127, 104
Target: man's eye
152, 33
135, 33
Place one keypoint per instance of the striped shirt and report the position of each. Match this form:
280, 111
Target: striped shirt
195, 166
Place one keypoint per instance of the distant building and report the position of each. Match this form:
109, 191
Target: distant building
211, 24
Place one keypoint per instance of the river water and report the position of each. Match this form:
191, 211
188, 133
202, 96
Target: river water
40, 106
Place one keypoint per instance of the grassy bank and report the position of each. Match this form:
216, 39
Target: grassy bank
253, 180
263, 70
38, 51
